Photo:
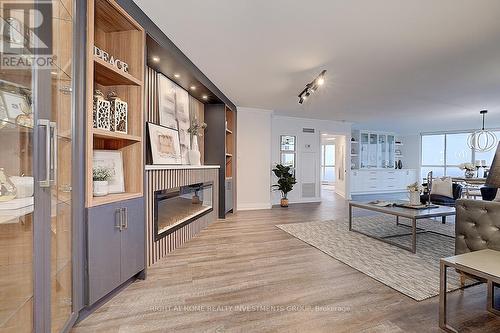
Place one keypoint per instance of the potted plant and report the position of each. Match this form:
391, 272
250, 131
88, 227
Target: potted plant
101, 177
414, 191
469, 169
286, 180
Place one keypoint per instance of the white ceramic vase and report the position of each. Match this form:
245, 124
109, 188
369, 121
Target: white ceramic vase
194, 154
414, 197
101, 188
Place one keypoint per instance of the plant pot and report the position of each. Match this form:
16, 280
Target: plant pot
101, 188
284, 202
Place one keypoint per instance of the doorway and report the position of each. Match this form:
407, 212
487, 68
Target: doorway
332, 166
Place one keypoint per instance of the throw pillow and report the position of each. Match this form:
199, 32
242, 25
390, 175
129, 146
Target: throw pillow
442, 186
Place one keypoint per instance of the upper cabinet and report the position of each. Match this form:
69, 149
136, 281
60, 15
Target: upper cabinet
373, 150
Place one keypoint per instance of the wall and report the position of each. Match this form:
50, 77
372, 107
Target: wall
253, 158
308, 153
412, 152
341, 167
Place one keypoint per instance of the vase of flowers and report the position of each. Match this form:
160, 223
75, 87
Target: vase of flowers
469, 169
195, 130
414, 191
101, 177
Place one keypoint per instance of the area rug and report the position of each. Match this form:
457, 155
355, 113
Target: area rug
415, 275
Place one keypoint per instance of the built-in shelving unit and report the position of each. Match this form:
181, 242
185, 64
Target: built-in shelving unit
112, 30
229, 142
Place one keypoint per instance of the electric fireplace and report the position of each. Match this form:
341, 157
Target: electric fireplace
177, 207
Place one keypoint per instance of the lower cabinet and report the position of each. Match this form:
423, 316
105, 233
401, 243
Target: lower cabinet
380, 181
229, 194
116, 245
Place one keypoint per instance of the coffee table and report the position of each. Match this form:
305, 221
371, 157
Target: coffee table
409, 213
483, 264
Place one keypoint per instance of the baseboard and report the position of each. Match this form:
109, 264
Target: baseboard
254, 206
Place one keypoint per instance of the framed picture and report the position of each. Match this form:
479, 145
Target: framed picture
183, 121
113, 160
166, 102
164, 144
15, 104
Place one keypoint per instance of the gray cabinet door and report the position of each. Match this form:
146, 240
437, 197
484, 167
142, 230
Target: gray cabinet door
104, 247
229, 195
133, 239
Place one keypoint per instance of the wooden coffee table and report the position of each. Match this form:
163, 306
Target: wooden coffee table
409, 213
484, 264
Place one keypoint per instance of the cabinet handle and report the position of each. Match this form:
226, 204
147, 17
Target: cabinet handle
125, 218
118, 219
53, 152
45, 123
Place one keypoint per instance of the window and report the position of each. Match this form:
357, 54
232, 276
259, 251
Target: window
287, 150
443, 153
328, 163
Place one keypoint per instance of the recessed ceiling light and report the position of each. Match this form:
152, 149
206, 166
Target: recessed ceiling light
205, 97
53, 73
177, 76
156, 59
192, 87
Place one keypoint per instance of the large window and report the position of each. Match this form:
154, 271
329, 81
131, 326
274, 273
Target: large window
328, 163
443, 153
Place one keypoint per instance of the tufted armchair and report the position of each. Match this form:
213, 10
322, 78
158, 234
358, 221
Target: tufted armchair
477, 226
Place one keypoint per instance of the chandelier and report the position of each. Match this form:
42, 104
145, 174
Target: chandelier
482, 140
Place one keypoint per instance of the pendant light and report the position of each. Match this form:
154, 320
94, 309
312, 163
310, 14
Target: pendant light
482, 140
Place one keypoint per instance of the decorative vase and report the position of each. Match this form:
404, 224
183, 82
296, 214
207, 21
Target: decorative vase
101, 188
400, 164
284, 202
194, 153
469, 174
414, 197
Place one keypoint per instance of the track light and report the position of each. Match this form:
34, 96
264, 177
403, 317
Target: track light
312, 87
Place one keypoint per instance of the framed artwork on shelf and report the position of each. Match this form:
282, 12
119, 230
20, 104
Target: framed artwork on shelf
164, 144
166, 102
113, 160
15, 104
183, 121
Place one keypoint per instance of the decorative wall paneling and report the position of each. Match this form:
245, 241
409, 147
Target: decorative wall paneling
169, 178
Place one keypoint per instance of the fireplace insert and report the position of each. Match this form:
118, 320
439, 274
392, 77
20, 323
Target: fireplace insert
177, 207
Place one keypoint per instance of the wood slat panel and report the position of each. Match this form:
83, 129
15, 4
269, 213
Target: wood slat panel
165, 179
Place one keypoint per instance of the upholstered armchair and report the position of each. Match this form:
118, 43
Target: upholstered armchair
444, 200
477, 227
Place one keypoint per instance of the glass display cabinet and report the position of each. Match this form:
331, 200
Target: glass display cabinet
36, 119
377, 150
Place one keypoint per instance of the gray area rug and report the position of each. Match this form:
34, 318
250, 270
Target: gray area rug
415, 275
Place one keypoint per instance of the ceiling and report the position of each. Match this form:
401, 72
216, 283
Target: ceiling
406, 66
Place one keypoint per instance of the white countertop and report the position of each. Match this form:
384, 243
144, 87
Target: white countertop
180, 167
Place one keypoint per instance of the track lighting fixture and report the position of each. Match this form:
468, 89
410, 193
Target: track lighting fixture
312, 87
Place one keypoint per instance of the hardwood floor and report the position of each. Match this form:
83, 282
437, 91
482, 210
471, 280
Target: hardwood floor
243, 274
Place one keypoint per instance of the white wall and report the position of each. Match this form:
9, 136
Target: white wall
412, 152
308, 157
341, 157
253, 158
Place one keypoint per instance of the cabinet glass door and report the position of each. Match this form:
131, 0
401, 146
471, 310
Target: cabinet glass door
391, 150
62, 116
382, 161
364, 150
372, 151
35, 169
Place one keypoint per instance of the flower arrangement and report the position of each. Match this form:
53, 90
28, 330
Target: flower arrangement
101, 174
415, 187
197, 128
467, 166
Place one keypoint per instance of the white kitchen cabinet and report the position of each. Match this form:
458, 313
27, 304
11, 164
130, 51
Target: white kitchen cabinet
381, 180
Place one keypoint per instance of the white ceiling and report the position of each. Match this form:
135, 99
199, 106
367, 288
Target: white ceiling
414, 65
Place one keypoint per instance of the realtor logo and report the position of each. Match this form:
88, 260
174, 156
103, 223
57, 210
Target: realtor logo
26, 34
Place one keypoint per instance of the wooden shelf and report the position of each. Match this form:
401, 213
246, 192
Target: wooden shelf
107, 75
110, 198
103, 134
